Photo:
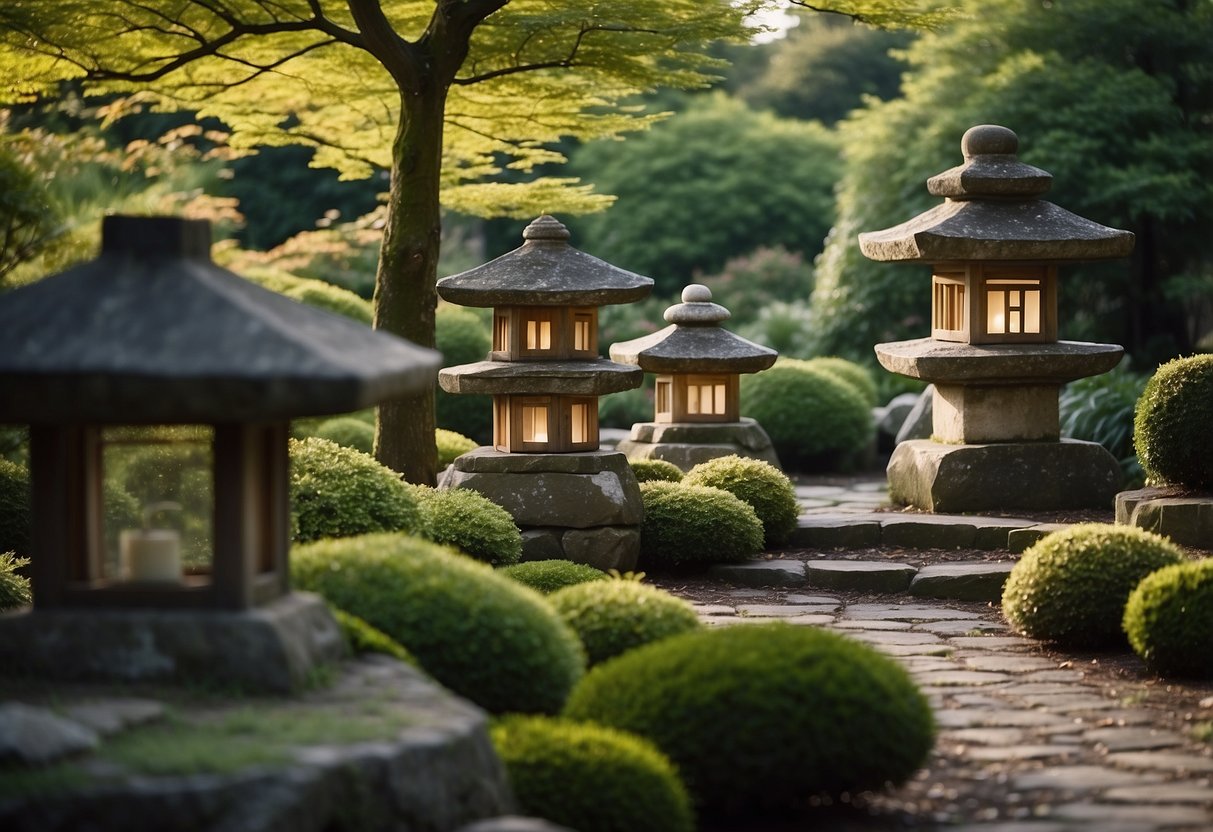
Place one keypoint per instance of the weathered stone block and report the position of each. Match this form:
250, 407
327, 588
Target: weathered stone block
833, 531
1018, 540
961, 581
542, 544
1186, 520
608, 547
927, 531
762, 573
975, 413
686, 444
860, 576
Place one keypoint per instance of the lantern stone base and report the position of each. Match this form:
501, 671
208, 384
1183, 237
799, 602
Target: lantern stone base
686, 444
274, 647
976, 414
1184, 517
1007, 475
583, 507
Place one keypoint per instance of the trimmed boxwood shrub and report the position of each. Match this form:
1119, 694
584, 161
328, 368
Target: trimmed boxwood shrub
761, 485
1171, 425
363, 638
451, 445
547, 576
590, 778
685, 524
655, 470
762, 717
853, 374
470, 522
349, 431
340, 492
14, 587
815, 420
1070, 587
316, 293
612, 617
1169, 620
485, 637
14, 507
462, 338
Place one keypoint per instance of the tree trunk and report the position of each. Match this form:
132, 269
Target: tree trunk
408, 267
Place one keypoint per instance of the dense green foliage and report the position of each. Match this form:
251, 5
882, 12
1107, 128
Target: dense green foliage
590, 778
463, 337
750, 284
815, 420
1071, 586
548, 576
612, 617
762, 717
1171, 425
1169, 620
484, 636
451, 445
1100, 409
14, 507
349, 431
315, 293
361, 638
856, 375
14, 586
470, 522
29, 221
762, 486
649, 470
339, 492
686, 524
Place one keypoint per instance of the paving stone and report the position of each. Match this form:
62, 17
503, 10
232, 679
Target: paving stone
809, 502
908, 612
1181, 792
894, 637
35, 736
1068, 701
1133, 739
963, 627
993, 532
922, 664
1118, 717
715, 609
987, 736
1010, 753
1008, 664
1034, 688
993, 718
783, 610
870, 486
993, 642
1159, 816
978, 581
1079, 779
977, 700
109, 716
900, 650
1020, 539
818, 620
1023, 826
745, 593
950, 678
927, 531
836, 530
871, 624
1057, 676
798, 598
860, 576
760, 573
1162, 761
818, 490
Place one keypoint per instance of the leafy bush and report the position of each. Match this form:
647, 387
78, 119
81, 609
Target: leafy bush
451, 445
655, 470
14, 507
695, 524
1100, 409
547, 576
349, 431
784, 326
1169, 620
361, 638
470, 522
753, 282
463, 338
813, 418
14, 587
612, 617
856, 375
1071, 586
763, 487
316, 293
590, 778
340, 492
761, 717
1171, 426
483, 636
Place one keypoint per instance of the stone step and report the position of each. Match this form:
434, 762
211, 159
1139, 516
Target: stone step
968, 581
839, 530
963, 581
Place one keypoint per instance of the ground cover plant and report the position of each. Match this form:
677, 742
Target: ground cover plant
470, 522
484, 636
649, 470
1171, 425
547, 576
1169, 620
14, 586
590, 778
612, 617
760, 485
1071, 586
759, 718
695, 524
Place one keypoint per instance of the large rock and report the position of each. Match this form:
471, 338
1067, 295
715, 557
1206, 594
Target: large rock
891, 417
919, 422
35, 736
1185, 518
686, 444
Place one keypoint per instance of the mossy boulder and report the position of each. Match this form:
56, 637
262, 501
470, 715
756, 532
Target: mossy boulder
451, 445
815, 419
759, 718
548, 576
1071, 586
339, 492
349, 431
856, 375
1172, 422
15, 516
590, 778
362, 638
612, 617
470, 522
695, 524
759, 484
1169, 620
485, 637
655, 470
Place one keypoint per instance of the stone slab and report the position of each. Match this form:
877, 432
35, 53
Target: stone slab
978, 581
782, 610
1078, 779
1100, 815
1165, 761
761, 573
1186, 520
605, 547
834, 531
110, 716
687, 444
909, 612
1020, 540
1012, 753
1119, 738
583, 377
994, 532
926, 531
956, 363
542, 544
33, 736
860, 576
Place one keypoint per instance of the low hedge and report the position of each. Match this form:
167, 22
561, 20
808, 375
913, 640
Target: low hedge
349, 431
451, 445
548, 576
856, 375
695, 524
470, 522
1169, 620
655, 470
1171, 424
612, 617
761, 485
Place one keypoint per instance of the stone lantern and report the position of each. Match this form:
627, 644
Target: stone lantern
544, 373
697, 393
993, 355
151, 365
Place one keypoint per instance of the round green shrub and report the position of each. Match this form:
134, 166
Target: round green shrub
1171, 424
14, 507
348, 431
14, 587
761, 485
315, 293
463, 338
451, 445
340, 492
470, 522
695, 524
547, 576
485, 637
762, 717
361, 638
1169, 620
590, 778
1071, 586
856, 375
612, 617
815, 420
655, 470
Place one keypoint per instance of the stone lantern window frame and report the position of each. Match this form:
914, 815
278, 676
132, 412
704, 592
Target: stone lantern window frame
673, 397
572, 332
566, 416
960, 294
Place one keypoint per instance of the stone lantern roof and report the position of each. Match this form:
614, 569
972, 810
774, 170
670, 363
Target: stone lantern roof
153, 331
694, 342
993, 211
545, 271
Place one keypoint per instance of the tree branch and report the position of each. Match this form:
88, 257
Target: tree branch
398, 56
